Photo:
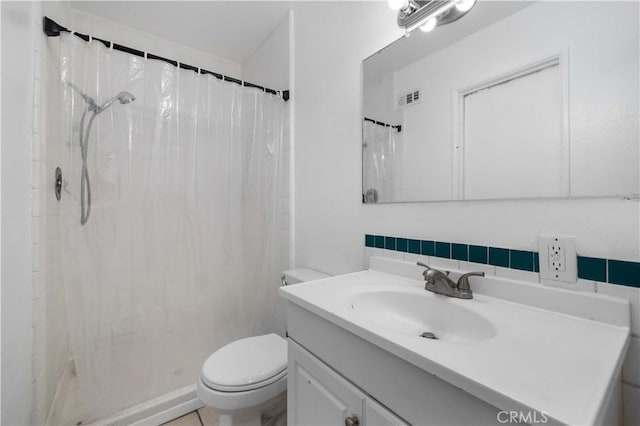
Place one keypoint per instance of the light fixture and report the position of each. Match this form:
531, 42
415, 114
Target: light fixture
398, 4
428, 14
465, 5
429, 25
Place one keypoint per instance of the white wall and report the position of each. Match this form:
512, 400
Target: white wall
380, 100
87, 23
269, 66
17, 63
331, 39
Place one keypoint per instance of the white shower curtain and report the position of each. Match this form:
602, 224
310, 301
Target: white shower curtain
181, 253
381, 162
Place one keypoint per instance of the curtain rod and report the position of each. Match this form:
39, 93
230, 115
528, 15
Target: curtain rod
52, 29
380, 123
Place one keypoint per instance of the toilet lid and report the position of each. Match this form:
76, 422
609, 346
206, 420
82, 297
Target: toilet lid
246, 363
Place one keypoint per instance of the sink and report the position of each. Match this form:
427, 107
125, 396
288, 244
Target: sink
516, 345
412, 313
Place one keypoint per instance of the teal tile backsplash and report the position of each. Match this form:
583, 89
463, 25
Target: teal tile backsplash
390, 243
443, 249
414, 246
478, 254
522, 260
459, 251
592, 268
624, 273
428, 248
499, 257
589, 268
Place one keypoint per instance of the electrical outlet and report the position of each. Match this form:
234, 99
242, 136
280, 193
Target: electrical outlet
558, 260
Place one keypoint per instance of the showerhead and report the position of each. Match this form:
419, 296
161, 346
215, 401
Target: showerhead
122, 97
126, 97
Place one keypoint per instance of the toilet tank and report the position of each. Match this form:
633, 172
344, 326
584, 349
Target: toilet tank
301, 275
290, 277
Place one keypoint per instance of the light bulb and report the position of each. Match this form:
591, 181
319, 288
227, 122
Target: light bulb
429, 25
398, 4
465, 5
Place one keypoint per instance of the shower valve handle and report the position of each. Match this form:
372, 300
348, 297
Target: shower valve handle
352, 421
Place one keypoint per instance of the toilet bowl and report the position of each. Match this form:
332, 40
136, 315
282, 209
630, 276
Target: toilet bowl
244, 379
247, 378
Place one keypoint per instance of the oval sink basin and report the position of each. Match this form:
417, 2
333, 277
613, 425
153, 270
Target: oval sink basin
414, 314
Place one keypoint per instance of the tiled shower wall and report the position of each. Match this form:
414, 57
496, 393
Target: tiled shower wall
50, 330
51, 350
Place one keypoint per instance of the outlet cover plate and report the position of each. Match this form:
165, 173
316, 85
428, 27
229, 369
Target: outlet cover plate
558, 259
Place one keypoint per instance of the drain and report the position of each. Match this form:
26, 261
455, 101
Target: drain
429, 335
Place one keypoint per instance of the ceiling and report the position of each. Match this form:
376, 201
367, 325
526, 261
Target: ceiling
228, 29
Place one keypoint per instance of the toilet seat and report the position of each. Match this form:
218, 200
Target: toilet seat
229, 402
245, 387
246, 364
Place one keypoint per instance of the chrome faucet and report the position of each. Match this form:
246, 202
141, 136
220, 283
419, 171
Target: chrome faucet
439, 282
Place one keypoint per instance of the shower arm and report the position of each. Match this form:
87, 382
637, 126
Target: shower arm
91, 103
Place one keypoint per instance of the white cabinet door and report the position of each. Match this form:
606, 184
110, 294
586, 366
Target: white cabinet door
317, 395
377, 415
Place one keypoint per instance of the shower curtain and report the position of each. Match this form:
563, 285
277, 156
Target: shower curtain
181, 253
381, 163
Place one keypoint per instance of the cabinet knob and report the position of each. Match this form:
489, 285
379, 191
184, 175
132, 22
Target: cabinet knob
351, 421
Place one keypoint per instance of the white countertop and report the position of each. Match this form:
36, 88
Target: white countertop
551, 362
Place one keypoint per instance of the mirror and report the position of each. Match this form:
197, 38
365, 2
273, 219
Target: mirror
514, 100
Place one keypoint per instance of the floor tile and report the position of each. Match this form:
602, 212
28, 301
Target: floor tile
631, 395
190, 419
631, 368
209, 416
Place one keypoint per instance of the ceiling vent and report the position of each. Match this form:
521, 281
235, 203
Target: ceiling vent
409, 98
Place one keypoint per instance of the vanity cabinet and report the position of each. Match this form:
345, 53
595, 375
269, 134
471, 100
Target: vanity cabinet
334, 374
378, 415
320, 396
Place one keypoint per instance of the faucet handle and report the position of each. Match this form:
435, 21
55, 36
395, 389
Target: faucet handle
424, 266
464, 289
425, 273
429, 268
463, 282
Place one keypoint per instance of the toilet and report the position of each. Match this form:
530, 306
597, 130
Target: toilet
248, 377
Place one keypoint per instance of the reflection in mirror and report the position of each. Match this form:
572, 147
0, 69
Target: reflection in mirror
516, 100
